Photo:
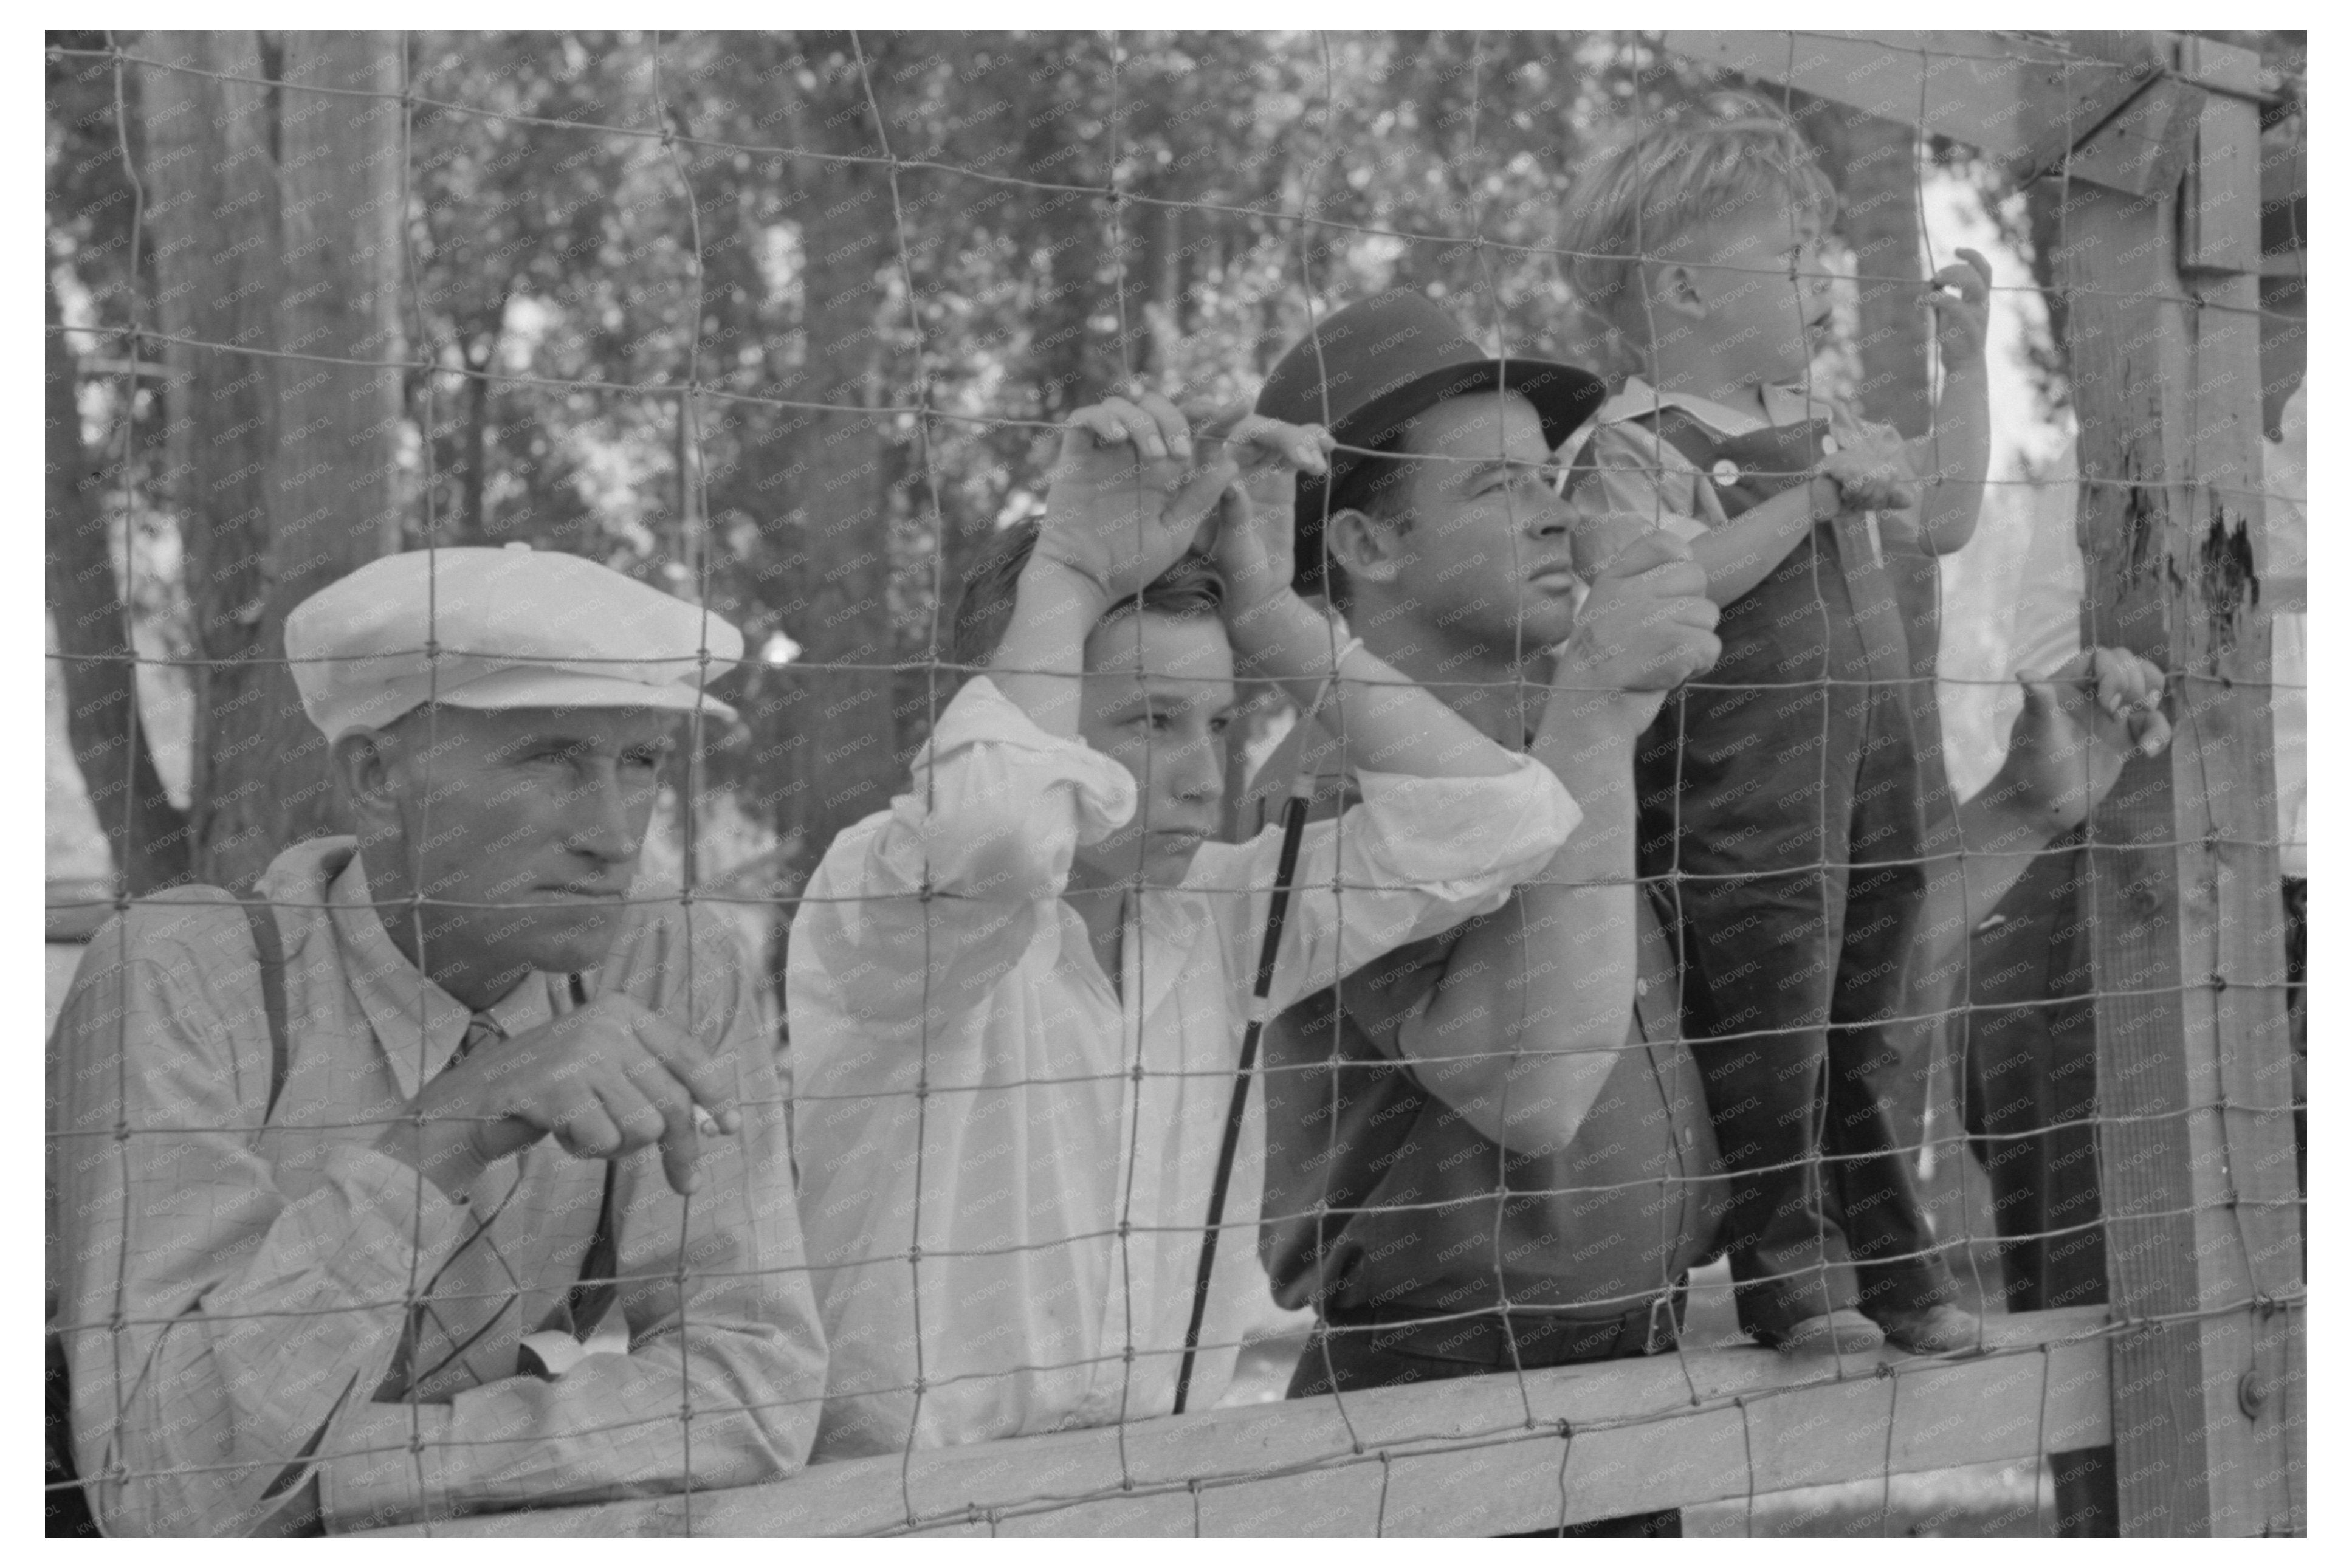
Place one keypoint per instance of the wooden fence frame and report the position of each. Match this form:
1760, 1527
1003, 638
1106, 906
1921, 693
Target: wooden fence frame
2154, 139
1467, 1456
2195, 1371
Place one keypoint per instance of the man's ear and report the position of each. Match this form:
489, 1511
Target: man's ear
366, 768
1369, 549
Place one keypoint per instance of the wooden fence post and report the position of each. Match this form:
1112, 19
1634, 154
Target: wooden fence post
2197, 1159
2197, 1155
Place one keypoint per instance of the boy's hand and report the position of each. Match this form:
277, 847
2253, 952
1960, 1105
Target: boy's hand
1960, 295
1127, 500
1872, 474
1256, 524
2078, 725
1646, 627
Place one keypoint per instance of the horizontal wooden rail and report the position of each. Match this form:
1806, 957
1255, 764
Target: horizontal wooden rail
1981, 88
1470, 1457
2031, 106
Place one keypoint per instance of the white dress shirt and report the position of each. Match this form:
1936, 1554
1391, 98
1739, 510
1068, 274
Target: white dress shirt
1005, 1164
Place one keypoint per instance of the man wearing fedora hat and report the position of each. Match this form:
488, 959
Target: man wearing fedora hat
1489, 1151
447, 1175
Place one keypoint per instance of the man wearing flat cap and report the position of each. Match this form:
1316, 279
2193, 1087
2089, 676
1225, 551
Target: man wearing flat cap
446, 1175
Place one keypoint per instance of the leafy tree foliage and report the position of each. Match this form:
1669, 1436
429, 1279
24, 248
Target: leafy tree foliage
993, 227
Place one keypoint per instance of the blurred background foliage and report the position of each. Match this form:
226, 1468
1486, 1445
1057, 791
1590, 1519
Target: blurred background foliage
547, 276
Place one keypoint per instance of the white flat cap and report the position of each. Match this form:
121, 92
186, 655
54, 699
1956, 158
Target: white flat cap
516, 628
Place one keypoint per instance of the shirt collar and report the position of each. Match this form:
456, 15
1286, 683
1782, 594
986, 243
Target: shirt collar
1785, 405
403, 1006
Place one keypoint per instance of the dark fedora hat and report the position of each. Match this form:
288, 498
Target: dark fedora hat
1369, 368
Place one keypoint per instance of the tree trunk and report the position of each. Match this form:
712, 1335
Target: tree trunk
1881, 220
834, 728
213, 201
1874, 163
473, 479
146, 832
334, 500
1879, 180
1878, 175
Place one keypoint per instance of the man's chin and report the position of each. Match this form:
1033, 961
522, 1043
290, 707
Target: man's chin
1156, 867
567, 938
1166, 868
1546, 622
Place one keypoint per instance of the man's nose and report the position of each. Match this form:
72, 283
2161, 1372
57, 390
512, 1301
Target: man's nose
605, 820
1548, 515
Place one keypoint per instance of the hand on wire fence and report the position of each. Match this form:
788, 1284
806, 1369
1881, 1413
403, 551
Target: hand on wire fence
2080, 725
1127, 498
1255, 544
1959, 297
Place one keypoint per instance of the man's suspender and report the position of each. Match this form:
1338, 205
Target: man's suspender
270, 949
68, 1504
587, 1302
597, 1287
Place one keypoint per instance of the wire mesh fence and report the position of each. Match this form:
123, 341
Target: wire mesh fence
708, 1047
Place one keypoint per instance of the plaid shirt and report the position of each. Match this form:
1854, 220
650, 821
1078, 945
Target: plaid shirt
1381, 1194
236, 1298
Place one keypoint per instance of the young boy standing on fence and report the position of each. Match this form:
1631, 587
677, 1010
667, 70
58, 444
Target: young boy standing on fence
1017, 996
1784, 790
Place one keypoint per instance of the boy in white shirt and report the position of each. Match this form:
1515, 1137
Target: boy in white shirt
1017, 997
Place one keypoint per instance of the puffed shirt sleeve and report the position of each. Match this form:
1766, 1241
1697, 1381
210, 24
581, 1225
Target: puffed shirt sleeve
735, 1346
1414, 856
213, 1326
916, 912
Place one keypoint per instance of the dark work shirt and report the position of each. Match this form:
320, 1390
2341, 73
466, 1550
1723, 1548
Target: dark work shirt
1377, 1193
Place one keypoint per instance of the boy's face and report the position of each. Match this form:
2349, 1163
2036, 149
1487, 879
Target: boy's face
1759, 297
1484, 557
1159, 697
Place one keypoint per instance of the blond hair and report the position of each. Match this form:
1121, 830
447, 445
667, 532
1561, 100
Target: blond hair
1661, 177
